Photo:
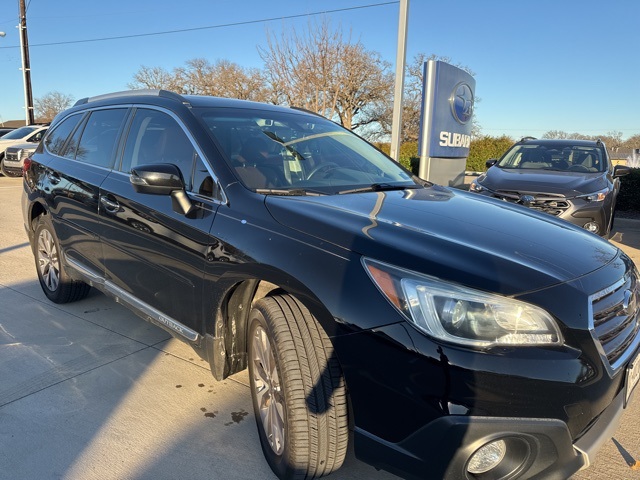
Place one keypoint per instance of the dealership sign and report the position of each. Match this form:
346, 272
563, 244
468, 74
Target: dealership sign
447, 111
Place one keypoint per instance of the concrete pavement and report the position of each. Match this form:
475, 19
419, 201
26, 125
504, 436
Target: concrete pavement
90, 391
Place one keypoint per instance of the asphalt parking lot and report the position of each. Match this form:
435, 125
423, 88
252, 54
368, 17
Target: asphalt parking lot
90, 391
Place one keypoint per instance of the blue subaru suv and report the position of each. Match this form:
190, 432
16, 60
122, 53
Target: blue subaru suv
456, 336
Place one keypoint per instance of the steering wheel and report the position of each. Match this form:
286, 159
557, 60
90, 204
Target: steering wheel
323, 167
578, 168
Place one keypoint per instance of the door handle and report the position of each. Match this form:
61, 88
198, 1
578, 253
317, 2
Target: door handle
109, 205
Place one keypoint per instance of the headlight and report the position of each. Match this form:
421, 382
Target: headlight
598, 196
461, 315
475, 187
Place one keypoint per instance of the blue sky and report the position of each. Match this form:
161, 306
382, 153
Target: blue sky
566, 65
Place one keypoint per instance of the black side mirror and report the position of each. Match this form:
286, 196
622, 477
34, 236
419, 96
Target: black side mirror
162, 179
621, 171
491, 162
156, 179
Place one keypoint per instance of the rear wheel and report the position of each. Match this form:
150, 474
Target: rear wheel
54, 280
298, 390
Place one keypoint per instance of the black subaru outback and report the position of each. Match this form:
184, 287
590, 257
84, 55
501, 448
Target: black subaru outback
457, 336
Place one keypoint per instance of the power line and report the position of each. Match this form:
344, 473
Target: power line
210, 27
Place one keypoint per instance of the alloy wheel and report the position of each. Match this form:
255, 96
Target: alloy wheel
48, 261
269, 394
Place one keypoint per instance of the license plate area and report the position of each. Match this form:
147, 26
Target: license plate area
633, 376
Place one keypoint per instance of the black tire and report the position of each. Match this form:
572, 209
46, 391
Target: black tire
2, 164
54, 280
298, 391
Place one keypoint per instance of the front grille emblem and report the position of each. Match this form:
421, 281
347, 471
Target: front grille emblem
527, 200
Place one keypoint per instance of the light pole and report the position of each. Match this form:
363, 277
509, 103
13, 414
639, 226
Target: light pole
2, 34
396, 125
26, 69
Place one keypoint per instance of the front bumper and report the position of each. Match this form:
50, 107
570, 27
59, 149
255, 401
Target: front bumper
576, 210
536, 448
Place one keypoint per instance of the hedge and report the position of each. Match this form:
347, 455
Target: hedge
629, 196
481, 150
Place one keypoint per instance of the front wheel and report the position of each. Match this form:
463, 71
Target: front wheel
54, 280
298, 391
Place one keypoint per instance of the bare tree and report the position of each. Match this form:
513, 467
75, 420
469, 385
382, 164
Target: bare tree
613, 140
321, 71
222, 79
155, 78
200, 77
50, 104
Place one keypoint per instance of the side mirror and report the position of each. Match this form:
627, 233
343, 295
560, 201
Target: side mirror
621, 171
162, 179
491, 162
156, 179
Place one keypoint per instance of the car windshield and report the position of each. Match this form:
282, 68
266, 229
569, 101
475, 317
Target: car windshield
559, 157
294, 153
19, 133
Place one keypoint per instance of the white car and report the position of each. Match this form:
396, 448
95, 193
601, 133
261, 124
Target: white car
11, 165
31, 134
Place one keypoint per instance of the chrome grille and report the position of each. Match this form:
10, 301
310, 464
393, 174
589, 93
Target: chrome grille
12, 155
616, 321
543, 202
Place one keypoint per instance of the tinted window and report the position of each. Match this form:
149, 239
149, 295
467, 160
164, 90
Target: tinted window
35, 138
98, 140
555, 156
155, 137
19, 133
55, 140
202, 181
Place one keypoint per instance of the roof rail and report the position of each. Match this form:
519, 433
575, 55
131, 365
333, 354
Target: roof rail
526, 138
128, 93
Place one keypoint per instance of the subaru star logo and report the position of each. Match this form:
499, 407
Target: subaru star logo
527, 200
461, 101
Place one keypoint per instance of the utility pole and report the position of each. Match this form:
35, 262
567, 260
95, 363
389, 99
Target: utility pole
26, 68
396, 125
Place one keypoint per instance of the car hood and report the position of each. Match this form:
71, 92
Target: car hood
568, 184
453, 235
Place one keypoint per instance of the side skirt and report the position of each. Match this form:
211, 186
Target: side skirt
137, 306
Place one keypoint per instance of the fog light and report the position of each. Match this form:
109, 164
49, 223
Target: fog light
487, 457
592, 227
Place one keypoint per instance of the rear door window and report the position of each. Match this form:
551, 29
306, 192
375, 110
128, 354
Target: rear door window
98, 141
56, 139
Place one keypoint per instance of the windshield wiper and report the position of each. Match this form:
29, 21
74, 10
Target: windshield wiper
380, 187
290, 192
